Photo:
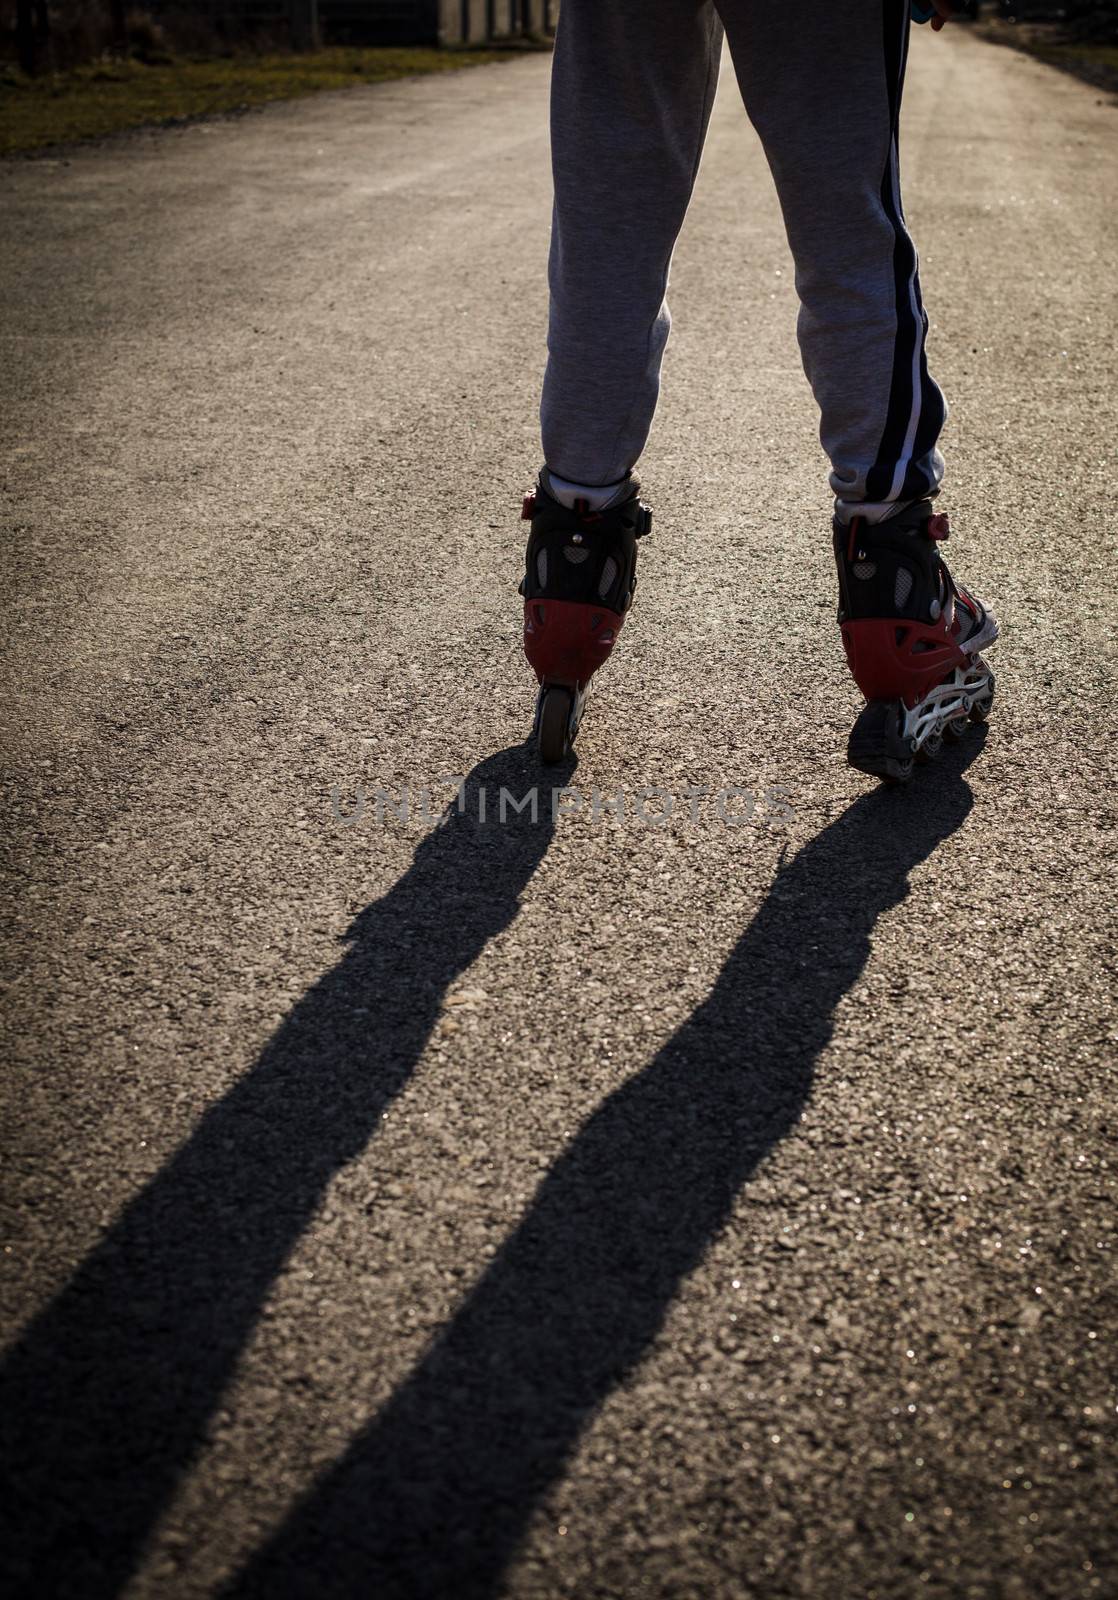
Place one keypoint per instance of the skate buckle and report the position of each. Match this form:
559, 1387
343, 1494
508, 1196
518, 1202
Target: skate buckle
528, 509
938, 526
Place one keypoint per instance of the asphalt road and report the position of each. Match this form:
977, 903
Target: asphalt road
579, 1207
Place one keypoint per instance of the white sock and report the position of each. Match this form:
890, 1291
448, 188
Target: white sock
597, 496
870, 511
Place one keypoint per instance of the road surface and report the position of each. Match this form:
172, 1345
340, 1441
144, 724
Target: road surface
574, 1207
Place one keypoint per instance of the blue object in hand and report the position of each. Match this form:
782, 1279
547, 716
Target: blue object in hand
921, 12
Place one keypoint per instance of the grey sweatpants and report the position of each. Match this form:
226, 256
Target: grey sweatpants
632, 89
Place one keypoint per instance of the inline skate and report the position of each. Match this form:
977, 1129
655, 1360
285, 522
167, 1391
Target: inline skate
912, 638
580, 574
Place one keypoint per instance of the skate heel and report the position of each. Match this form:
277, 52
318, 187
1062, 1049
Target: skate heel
877, 744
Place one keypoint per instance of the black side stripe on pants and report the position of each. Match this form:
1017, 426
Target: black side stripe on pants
916, 411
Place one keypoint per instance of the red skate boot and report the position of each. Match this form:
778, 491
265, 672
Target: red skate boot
912, 639
580, 574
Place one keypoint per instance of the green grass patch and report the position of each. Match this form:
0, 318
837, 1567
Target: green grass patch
112, 96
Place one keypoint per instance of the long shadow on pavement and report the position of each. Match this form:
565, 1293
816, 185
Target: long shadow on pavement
434, 1497
105, 1399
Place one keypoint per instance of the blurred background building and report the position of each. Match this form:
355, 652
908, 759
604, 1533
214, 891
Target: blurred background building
54, 35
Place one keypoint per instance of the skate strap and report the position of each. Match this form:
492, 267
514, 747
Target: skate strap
581, 508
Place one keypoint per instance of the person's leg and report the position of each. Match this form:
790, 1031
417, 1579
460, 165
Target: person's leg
823, 90
632, 87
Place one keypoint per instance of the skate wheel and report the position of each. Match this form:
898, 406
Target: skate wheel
553, 721
931, 749
893, 773
980, 710
956, 729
